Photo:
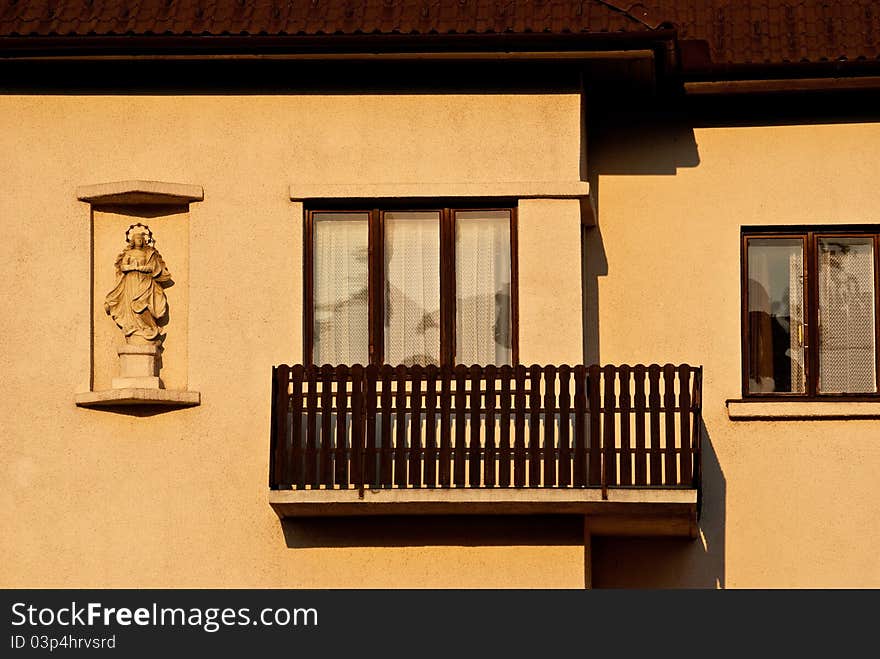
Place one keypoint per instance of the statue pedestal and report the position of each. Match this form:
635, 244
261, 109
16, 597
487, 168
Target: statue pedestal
138, 367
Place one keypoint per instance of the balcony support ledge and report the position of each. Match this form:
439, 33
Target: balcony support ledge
635, 512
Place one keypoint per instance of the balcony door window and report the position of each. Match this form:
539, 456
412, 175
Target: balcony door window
411, 286
810, 323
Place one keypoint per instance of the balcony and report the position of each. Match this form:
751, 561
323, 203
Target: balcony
620, 444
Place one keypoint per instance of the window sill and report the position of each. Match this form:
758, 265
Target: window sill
742, 410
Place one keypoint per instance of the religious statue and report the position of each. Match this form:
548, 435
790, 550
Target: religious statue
137, 303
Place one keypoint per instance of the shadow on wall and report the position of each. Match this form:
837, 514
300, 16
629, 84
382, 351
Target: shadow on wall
616, 562
440, 530
671, 562
625, 142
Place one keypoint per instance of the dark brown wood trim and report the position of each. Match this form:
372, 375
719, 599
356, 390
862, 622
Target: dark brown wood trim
447, 287
744, 313
811, 313
877, 311
376, 293
514, 284
308, 288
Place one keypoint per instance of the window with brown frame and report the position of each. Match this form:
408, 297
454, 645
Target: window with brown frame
411, 286
810, 312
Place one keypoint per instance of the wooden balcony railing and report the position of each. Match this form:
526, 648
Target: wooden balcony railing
485, 427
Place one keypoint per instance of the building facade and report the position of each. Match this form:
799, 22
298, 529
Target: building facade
649, 237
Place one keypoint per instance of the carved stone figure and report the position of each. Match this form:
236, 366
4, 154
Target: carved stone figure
137, 303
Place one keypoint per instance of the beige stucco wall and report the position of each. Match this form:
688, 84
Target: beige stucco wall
788, 503
97, 498
550, 295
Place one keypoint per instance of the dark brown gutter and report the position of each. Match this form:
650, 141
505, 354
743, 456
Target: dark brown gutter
15, 47
784, 85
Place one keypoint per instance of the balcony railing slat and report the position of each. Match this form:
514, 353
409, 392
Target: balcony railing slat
696, 420
668, 406
535, 426
280, 405
549, 453
415, 434
609, 457
475, 449
579, 472
504, 448
489, 425
641, 458
358, 416
623, 401
431, 426
684, 403
458, 470
370, 452
296, 475
386, 455
400, 428
519, 427
311, 475
595, 407
340, 457
367, 427
445, 426
325, 472
654, 411
564, 475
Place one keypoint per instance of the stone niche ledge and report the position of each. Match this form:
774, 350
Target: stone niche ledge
134, 193
127, 397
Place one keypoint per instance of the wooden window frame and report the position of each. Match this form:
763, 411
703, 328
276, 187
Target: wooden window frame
376, 271
810, 236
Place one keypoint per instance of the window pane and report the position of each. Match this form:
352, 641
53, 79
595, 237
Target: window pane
776, 315
846, 315
412, 288
341, 284
482, 288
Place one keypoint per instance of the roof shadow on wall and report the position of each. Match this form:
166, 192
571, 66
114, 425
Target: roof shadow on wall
640, 141
434, 530
267, 76
652, 563
785, 109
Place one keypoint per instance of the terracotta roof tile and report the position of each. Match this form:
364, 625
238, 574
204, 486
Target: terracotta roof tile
736, 31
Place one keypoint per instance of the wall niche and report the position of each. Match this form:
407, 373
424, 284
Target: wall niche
139, 294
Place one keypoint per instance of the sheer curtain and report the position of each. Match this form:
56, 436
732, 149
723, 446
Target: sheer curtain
341, 284
846, 308
412, 288
482, 288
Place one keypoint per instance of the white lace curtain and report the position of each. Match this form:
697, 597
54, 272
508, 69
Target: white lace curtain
412, 288
482, 287
846, 308
341, 282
